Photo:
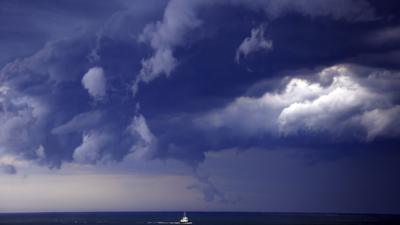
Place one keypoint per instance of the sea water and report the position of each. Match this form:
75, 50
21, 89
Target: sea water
198, 218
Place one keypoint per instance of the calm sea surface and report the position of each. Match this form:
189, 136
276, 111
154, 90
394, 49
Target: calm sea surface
198, 218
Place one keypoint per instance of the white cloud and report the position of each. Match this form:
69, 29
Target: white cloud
341, 97
379, 122
21, 120
334, 100
179, 18
256, 42
92, 147
145, 143
163, 36
95, 82
162, 62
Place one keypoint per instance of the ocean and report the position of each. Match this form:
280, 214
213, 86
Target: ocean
198, 218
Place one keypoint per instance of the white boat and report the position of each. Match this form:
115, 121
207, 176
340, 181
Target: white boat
185, 219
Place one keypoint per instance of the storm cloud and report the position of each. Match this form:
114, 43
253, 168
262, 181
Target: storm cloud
340, 95
181, 17
47, 98
176, 80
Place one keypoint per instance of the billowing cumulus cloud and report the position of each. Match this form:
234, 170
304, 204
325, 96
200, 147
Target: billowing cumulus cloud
33, 101
380, 122
92, 147
331, 105
49, 117
163, 62
337, 100
146, 143
95, 82
66, 102
22, 119
163, 36
47, 111
256, 42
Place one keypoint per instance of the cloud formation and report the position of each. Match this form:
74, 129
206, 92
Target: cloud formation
51, 112
49, 118
95, 82
337, 100
22, 119
45, 107
92, 147
163, 36
255, 43
382, 122
181, 17
163, 62
145, 141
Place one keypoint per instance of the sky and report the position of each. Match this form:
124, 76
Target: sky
200, 105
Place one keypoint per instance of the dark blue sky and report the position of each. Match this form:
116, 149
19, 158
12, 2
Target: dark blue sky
200, 105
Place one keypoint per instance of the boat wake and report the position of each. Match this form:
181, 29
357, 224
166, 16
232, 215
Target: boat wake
163, 222
184, 220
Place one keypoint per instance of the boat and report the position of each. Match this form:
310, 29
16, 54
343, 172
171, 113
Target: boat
185, 219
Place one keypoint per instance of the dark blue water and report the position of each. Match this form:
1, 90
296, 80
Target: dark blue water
198, 218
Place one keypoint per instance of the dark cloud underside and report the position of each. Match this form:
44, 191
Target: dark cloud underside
91, 82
